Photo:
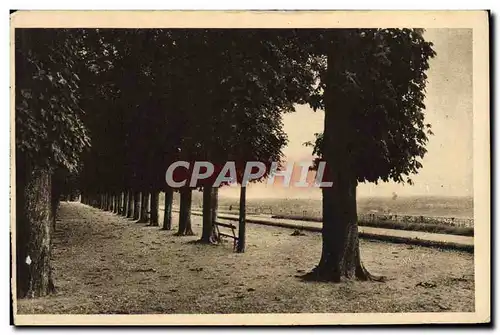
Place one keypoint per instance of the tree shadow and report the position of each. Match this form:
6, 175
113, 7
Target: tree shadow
321, 277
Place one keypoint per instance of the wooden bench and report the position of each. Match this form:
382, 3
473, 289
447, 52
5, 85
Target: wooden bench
233, 230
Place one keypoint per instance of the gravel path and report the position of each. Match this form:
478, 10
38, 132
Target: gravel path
104, 263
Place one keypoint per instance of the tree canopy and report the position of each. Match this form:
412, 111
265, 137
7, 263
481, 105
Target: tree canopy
50, 131
383, 86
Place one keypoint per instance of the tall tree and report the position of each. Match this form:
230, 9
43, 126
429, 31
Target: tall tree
167, 214
372, 90
49, 133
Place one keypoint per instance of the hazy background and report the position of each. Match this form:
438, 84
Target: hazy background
447, 166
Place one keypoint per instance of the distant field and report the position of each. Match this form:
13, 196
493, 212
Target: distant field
452, 211
459, 207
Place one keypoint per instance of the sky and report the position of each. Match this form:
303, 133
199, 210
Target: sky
447, 166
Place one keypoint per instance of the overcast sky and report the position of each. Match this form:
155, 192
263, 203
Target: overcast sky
447, 166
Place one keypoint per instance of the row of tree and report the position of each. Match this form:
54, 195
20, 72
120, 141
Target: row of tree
211, 95
155, 96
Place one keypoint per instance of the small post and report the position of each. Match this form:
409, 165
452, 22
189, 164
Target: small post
241, 227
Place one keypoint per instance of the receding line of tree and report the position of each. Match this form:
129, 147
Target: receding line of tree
104, 111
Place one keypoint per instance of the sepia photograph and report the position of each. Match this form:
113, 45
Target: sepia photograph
250, 168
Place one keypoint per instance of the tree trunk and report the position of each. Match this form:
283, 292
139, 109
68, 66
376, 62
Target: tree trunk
33, 231
215, 204
154, 209
130, 206
119, 203
185, 212
137, 205
167, 214
340, 255
144, 208
116, 203
209, 214
121, 200
242, 220
125, 203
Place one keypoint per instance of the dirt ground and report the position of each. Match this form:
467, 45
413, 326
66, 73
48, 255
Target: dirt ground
104, 263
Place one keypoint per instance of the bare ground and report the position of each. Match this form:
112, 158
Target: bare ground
104, 263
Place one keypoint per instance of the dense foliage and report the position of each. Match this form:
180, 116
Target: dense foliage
50, 131
384, 85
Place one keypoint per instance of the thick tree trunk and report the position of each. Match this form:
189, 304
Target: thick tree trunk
33, 232
167, 214
130, 206
144, 208
153, 221
137, 205
340, 256
209, 214
185, 212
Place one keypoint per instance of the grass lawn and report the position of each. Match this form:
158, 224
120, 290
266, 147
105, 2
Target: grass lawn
104, 263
